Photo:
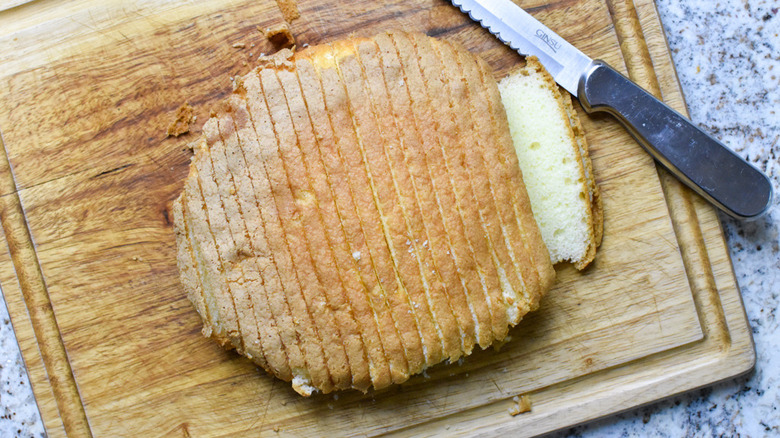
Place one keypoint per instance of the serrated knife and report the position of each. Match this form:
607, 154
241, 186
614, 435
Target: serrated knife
698, 160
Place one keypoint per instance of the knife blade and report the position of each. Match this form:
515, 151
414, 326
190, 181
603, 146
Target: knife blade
697, 159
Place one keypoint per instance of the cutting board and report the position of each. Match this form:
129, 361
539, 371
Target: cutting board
87, 266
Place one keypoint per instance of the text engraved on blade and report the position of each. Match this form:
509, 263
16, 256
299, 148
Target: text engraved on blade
551, 42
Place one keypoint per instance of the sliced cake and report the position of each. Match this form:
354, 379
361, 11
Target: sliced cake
553, 156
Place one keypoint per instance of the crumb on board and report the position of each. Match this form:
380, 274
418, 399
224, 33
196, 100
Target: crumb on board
289, 9
522, 404
181, 124
239, 45
280, 35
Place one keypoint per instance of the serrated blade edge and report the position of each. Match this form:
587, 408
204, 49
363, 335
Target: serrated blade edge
523, 33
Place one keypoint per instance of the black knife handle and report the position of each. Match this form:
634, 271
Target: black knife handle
698, 160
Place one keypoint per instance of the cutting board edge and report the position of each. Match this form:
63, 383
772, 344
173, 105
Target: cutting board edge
32, 318
545, 417
706, 217
46, 402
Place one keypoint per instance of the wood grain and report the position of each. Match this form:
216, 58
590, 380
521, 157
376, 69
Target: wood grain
112, 345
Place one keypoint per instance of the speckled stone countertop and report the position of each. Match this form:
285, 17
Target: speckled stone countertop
727, 55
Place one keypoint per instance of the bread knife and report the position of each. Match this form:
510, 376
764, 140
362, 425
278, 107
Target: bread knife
701, 162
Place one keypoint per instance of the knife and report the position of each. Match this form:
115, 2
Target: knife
701, 162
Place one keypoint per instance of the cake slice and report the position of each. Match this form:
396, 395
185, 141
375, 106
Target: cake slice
554, 160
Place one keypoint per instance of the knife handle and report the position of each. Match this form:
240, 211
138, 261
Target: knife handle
698, 160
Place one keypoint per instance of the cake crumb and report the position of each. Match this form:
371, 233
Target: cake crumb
280, 35
522, 404
289, 9
239, 45
181, 124
277, 429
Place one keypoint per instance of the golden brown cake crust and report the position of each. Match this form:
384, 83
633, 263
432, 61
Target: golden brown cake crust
494, 196
354, 214
531, 243
287, 236
474, 196
341, 111
259, 271
355, 235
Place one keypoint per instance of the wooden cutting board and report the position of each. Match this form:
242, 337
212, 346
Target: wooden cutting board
113, 347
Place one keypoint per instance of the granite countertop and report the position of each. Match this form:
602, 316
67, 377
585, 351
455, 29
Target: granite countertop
727, 55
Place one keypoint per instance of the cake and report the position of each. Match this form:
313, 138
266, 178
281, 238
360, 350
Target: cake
355, 213
556, 166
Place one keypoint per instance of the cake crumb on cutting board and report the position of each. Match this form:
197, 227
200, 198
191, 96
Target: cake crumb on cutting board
181, 124
522, 404
280, 35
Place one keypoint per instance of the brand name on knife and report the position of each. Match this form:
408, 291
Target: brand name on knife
554, 45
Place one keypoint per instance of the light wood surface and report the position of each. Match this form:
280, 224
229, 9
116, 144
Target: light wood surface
88, 269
